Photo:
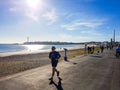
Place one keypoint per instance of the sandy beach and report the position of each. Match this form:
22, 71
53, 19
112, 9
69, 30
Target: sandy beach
11, 64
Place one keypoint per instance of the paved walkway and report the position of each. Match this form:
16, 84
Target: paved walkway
91, 72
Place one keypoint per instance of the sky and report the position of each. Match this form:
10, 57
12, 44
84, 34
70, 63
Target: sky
59, 20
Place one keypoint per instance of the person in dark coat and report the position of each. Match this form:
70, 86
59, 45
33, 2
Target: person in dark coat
54, 56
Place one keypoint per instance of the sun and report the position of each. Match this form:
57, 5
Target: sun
34, 3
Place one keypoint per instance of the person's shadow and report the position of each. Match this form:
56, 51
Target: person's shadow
58, 85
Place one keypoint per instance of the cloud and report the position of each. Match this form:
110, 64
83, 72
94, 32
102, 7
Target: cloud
64, 36
22, 7
51, 16
81, 37
89, 24
32, 14
42, 10
69, 27
13, 9
83, 24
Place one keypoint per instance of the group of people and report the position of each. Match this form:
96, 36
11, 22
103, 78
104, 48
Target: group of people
117, 53
109, 46
117, 50
92, 49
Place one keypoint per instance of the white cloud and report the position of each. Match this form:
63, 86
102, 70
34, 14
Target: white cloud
36, 11
89, 24
32, 14
64, 36
81, 37
13, 9
67, 37
69, 27
83, 24
51, 16
27, 9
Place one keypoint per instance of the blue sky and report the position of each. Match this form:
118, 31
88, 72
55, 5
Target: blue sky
59, 20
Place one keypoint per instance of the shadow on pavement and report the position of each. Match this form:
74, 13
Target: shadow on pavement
58, 85
71, 62
97, 56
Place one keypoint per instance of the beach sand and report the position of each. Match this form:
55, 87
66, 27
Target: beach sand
10, 64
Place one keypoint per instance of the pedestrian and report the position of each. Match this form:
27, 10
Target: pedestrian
88, 50
54, 56
102, 48
118, 51
93, 49
107, 47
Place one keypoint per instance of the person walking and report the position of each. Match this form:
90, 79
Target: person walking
54, 56
102, 48
93, 49
118, 51
88, 50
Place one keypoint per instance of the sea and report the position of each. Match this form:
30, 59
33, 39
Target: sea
10, 48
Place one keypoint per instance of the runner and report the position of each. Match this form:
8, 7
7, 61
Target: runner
54, 56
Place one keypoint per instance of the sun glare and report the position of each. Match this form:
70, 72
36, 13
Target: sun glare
34, 47
34, 3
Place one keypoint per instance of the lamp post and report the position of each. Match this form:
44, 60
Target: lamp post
65, 58
85, 49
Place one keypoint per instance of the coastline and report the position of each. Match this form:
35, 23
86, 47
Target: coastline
28, 51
